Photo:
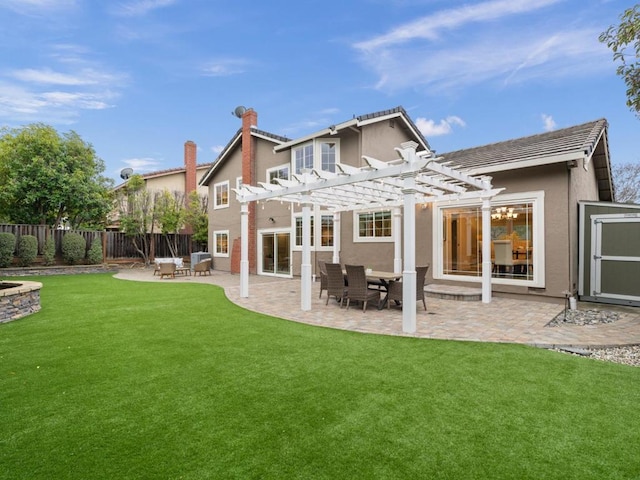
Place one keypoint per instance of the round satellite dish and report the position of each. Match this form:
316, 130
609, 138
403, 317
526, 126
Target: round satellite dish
239, 111
125, 173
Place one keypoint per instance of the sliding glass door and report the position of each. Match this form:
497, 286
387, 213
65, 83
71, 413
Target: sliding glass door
276, 253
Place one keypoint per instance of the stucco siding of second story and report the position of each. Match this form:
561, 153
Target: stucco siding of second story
380, 139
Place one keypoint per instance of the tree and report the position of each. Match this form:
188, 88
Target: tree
50, 179
196, 217
136, 214
624, 41
626, 181
170, 217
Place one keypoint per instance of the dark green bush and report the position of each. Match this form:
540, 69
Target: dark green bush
27, 250
49, 253
74, 248
7, 247
95, 252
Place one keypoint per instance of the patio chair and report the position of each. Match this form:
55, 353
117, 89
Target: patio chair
323, 276
167, 270
203, 267
358, 289
395, 288
335, 282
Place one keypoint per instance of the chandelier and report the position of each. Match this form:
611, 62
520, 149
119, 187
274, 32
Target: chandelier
504, 213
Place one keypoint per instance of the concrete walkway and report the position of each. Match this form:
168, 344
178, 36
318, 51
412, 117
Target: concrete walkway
503, 320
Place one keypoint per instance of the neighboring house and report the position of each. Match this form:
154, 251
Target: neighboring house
535, 218
180, 181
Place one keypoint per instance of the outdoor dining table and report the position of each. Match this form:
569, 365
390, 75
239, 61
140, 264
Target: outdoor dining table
382, 278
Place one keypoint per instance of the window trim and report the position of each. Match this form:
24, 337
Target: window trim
316, 217
356, 227
217, 206
278, 168
536, 198
316, 150
215, 243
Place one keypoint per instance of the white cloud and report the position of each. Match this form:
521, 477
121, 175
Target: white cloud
58, 95
144, 164
141, 7
429, 27
225, 67
548, 122
26, 7
483, 44
217, 149
429, 128
48, 76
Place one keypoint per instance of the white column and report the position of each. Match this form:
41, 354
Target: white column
305, 269
409, 272
486, 250
336, 237
244, 250
397, 245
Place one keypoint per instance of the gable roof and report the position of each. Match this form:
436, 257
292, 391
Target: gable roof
360, 121
164, 173
235, 141
585, 142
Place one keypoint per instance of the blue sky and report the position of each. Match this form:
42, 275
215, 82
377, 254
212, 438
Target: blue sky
138, 78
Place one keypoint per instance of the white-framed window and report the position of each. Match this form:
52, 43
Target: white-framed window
372, 226
321, 239
517, 240
298, 226
221, 243
321, 154
328, 154
281, 171
221, 195
303, 157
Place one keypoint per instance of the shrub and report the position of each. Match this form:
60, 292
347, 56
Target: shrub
7, 246
95, 252
27, 250
74, 248
49, 253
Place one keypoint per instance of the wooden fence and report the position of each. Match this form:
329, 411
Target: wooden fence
116, 246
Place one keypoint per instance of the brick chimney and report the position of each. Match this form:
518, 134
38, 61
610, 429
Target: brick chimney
250, 119
190, 180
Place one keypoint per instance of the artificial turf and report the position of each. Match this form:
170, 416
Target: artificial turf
115, 379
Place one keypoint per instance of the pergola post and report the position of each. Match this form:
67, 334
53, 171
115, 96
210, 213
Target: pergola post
486, 250
409, 234
397, 244
336, 237
244, 250
305, 268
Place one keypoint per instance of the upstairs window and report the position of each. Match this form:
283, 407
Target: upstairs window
221, 195
281, 172
303, 157
321, 154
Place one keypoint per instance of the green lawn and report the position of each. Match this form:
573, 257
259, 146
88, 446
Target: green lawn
125, 380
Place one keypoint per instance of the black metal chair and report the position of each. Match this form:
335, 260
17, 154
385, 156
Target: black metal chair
358, 288
335, 282
395, 288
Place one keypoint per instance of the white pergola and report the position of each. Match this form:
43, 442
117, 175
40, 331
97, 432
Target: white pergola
414, 178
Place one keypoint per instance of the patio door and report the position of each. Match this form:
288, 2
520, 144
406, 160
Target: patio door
275, 248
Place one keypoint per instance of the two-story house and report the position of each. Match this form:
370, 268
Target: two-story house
534, 218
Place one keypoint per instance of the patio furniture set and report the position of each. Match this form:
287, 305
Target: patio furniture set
170, 267
355, 283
